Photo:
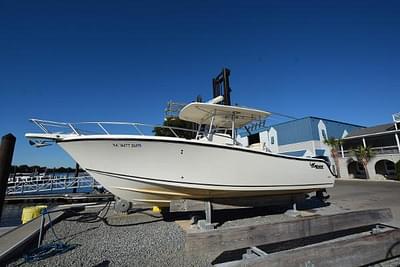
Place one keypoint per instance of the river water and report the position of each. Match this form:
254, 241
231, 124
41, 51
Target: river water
11, 215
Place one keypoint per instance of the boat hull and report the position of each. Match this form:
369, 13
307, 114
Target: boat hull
156, 170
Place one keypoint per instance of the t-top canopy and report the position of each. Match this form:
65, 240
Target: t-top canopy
202, 113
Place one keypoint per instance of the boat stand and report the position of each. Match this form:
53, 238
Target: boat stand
207, 223
293, 212
208, 206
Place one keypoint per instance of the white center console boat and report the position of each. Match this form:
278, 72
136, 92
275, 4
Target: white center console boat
157, 169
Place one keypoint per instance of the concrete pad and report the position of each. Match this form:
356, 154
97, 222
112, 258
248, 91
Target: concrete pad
359, 194
4, 230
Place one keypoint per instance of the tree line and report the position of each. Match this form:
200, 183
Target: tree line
39, 169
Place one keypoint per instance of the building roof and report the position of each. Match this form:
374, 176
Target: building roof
341, 122
317, 118
382, 128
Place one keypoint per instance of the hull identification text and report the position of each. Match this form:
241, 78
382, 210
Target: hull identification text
127, 145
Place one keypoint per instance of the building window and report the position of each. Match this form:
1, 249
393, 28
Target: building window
323, 134
272, 140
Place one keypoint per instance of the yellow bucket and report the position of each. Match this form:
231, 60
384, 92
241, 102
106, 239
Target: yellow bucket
30, 213
156, 209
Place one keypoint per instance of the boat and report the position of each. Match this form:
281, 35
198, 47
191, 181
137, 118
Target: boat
143, 168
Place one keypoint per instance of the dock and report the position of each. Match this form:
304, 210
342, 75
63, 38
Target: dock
59, 198
17, 239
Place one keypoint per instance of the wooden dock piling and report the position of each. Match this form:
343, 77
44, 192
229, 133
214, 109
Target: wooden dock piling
76, 174
6, 154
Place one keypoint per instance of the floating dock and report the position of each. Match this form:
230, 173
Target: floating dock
59, 198
13, 242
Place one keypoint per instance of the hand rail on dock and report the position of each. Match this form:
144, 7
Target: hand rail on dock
378, 150
41, 184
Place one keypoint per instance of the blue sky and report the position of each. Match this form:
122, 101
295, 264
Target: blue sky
123, 60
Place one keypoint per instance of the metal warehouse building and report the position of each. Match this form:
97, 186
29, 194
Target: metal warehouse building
305, 137
301, 137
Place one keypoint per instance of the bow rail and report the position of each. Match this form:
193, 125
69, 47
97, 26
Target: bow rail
51, 127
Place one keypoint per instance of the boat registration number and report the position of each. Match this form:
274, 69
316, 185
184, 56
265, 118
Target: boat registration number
127, 145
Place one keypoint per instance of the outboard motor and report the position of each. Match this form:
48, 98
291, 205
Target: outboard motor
322, 195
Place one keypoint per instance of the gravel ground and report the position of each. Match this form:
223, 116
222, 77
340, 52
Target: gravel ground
146, 240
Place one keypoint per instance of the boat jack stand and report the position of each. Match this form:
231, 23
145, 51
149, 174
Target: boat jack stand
293, 212
207, 223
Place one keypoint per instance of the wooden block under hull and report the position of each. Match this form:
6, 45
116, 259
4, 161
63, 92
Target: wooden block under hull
215, 242
345, 253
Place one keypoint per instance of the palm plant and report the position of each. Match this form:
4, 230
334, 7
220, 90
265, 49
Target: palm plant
364, 155
334, 145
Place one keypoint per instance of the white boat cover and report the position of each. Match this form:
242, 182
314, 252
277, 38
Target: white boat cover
202, 113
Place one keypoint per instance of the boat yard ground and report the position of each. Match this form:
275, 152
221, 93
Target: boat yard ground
147, 239
362, 194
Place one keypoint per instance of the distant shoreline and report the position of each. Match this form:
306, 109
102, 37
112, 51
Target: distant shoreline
40, 169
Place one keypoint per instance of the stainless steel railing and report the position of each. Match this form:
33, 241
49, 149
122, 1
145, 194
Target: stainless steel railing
75, 128
376, 150
48, 184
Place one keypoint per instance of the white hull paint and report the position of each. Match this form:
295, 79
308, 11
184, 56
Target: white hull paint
156, 170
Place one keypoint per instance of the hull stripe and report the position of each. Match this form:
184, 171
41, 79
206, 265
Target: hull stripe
154, 181
156, 192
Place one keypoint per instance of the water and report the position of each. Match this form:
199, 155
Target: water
52, 185
11, 215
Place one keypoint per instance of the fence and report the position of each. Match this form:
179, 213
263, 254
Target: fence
47, 184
